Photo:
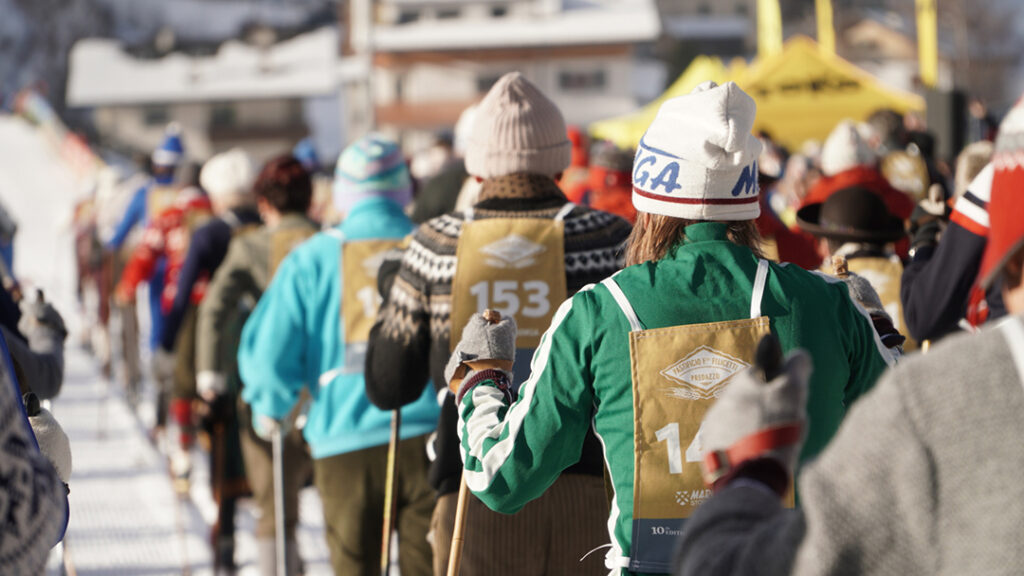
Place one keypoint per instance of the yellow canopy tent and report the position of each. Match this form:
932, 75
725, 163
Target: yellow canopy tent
626, 131
801, 94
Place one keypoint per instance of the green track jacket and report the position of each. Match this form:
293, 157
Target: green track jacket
580, 374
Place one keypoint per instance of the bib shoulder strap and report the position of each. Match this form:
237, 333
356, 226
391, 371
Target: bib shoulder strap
759, 283
335, 233
1013, 330
467, 214
623, 302
560, 216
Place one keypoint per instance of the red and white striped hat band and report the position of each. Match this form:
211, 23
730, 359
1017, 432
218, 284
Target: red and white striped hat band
698, 159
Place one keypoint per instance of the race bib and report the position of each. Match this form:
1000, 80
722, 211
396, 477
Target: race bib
515, 266
282, 242
158, 199
360, 300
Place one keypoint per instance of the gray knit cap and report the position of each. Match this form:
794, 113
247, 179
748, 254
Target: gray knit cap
517, 130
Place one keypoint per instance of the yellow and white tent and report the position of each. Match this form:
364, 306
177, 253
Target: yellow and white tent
801, 94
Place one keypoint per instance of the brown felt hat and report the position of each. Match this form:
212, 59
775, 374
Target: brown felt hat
852, 214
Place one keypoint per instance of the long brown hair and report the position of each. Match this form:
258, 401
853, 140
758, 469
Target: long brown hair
654, 235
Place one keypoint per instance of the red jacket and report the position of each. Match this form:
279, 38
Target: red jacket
898, 203
168, 236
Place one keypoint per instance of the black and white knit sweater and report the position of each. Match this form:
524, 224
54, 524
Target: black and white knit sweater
409, 345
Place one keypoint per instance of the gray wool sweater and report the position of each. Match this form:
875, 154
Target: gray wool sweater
925, 477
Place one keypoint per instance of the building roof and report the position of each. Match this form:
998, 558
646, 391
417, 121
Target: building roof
102, 73
579, 22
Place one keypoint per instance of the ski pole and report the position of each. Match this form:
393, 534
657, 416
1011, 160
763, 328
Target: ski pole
458, 533
277, 457
390, 493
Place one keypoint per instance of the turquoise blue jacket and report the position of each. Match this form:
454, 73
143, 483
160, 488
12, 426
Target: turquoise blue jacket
294, 339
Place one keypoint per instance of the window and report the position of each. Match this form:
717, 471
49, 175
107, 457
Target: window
499, 11
582, 81
447, 13
223, 115
484, 83
408, 16
155, 116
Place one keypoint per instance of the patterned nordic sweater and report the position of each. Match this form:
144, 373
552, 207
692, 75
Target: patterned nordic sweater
409, 345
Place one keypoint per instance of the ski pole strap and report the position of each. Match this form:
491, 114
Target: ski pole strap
720, 462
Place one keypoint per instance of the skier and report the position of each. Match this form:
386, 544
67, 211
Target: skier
921, 478
854, 223
165, 240
308, 334
642, 355
283, 191
522, 248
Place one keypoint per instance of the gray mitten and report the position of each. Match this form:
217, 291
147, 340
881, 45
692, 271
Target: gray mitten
42, 325
483, 345
52, 440
863, 293
754, 419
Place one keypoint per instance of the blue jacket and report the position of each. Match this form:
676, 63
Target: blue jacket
294, 339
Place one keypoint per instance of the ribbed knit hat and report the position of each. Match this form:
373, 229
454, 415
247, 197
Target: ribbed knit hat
698, 159
171, 150
228, 174
372, 166
845, 148
1006, 206
517, 129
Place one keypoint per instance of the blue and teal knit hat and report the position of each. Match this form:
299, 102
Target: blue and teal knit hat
171, 150
372, 166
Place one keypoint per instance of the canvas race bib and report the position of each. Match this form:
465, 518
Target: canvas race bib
282, 242
360, 300
158, 199
515, 266
678, 372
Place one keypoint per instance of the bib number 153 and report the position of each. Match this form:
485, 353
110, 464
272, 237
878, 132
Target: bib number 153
510, 297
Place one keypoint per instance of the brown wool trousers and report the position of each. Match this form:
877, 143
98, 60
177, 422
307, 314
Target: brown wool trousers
351, 488
546, 538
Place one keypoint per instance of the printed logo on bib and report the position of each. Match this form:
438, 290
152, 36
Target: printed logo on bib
702, 374
372, 264
513, 251
692, 497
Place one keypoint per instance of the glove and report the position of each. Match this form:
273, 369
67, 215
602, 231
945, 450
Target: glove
52, 440
929, 218
264, 426
757, 420
210, 385
42, 325
163, 365
483, 346
864, 294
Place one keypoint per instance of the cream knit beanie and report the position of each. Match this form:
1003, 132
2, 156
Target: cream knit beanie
698, 159
228, 175
845, 148
517, 129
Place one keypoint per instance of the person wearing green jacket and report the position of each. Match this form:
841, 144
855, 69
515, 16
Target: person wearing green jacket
283, 192
641, 356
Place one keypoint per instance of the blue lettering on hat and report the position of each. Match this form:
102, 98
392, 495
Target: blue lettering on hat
667, 178
747, 183
640, 179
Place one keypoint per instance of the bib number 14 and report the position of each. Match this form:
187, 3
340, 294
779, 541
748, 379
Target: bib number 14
670, 435
507, 296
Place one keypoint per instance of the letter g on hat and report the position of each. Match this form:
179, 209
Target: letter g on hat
698, 159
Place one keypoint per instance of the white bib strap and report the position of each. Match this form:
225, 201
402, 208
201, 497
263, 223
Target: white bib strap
759, 282
560, 216
623, 302
467, 214
1014, 332
335, 233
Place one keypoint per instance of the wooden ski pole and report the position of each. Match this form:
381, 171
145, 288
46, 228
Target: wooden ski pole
390, 493
277, 461
458, 533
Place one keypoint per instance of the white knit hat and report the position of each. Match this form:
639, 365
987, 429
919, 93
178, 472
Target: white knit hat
698, 159
517, 129
228, 174
845, 148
